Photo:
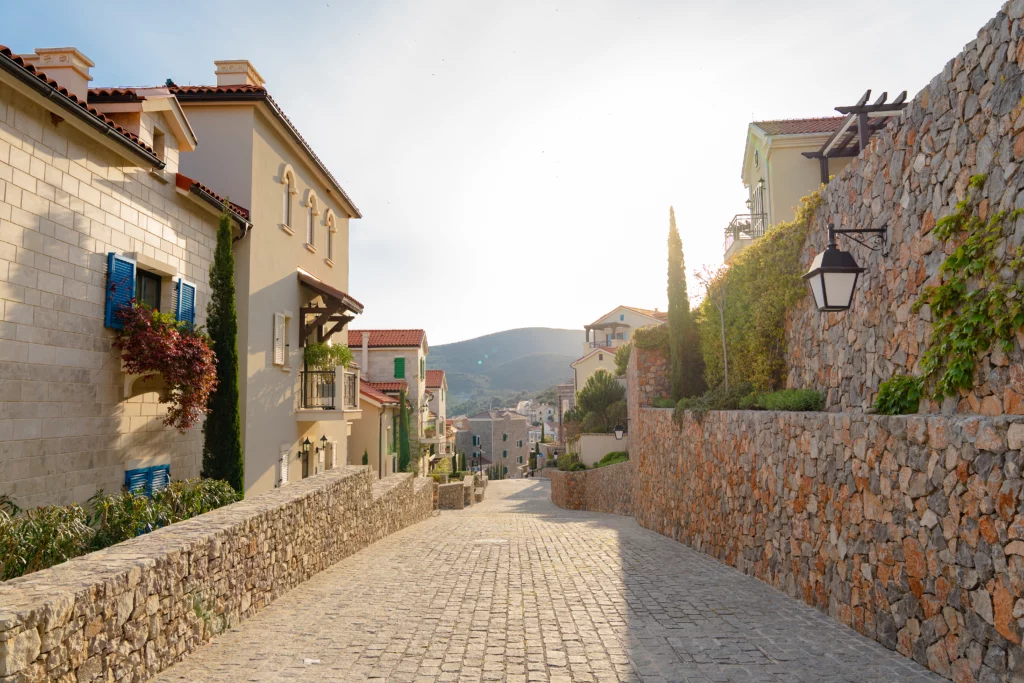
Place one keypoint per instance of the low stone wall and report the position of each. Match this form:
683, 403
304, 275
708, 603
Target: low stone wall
451, 496
132, 610
606, 489
909, 529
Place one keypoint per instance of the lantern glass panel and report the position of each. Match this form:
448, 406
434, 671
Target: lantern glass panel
839, 288
817, 291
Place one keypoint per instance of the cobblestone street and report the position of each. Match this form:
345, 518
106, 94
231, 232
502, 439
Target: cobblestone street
516, 589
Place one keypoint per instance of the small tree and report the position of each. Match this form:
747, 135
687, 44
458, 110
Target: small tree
622, 359
716, 290
222, 433
366, 457
597, 398
687, 368
404, 447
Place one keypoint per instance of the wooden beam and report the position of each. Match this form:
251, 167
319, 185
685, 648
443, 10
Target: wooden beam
341, 322
322, 316
847, 124
823, 167
863, 130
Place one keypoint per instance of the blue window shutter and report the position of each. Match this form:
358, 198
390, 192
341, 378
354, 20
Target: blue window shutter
120, 288
186, 311
136, 480
159, 478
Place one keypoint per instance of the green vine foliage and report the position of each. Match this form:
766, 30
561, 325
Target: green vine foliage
763, 282
981, 298
323, 356
899, 395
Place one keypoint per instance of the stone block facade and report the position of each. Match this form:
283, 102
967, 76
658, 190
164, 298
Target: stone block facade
647, 377
606, 489
66, 200
452, 496
132, 610
909, 529
969, 120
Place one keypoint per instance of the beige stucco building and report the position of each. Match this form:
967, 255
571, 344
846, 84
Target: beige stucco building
291, 273
82, 189
605, 335
437, 400
375, 434
777, 175
392, 361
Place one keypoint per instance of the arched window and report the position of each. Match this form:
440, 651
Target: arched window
287, 190
312, 211
331, 227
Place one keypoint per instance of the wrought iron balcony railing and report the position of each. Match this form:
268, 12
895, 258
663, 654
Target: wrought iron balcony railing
318, 389
746, 226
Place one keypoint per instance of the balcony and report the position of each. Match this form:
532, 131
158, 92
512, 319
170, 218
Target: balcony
605, 343
742, 230
320, 398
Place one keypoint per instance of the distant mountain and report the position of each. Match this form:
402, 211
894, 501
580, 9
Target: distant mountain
528, 360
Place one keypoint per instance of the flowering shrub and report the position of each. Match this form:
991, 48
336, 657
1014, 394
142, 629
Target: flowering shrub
154, 343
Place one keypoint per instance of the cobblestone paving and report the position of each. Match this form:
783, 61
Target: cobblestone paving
518, 590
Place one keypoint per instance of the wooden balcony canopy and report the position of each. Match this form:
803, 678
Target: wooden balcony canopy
339, 308
862, 121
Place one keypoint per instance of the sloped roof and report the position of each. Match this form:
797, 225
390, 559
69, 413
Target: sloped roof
227, 93
435, 378
826, 124
70, 101
597, 350
395, 386
387, 338
189, 184
379, 396
658, 315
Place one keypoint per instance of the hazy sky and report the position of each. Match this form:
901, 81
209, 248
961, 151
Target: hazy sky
515, 161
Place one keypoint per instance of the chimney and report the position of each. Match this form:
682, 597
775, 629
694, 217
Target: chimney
365, 366
66, 65
237, 72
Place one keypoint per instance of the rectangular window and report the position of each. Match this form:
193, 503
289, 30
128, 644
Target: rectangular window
309, 226
394, 433
330, 244
159, 144
280, 338
399, 368
286, 204
520, 443
148, 480
147, 288
504, 437
423, 368
504, 454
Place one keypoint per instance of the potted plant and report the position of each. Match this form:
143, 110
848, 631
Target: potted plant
323, 357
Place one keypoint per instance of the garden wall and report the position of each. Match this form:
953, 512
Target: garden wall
909, 529
969, 120
132, 610
606, 489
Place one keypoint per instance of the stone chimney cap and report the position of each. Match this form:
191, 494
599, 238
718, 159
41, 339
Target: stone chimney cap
237, 72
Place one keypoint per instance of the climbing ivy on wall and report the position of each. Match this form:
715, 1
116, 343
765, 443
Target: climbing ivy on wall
980, 301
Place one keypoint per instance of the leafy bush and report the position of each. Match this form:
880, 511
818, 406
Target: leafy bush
576, 467
457, 476
719, 398
663, 402
652, 338
322, 356
42, 537
899, 395
763, 282
800, 400
569, 462
622, 359
613, 458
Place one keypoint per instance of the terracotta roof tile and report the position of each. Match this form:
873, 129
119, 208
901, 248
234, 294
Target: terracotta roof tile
394, 386
255, 92
386, 338
186, 183
659, 315
827, 124
41, 75
434, 378
379, 396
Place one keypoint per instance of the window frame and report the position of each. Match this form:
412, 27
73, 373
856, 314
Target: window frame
141, 276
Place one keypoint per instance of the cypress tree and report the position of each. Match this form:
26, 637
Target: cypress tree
686, 363
222, 432
404, 447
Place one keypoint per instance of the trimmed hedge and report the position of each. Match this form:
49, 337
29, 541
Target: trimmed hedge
787, 399
43, 537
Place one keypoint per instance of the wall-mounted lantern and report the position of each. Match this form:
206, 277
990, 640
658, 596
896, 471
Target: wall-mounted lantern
619, 431
833, 274
305, 457
323, 442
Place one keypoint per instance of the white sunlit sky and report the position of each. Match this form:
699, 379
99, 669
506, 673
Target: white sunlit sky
515, 161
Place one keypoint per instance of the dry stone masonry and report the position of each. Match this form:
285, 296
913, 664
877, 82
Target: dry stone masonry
132, 610
606, 489
969, 120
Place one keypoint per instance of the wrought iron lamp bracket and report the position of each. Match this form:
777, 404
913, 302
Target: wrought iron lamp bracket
880, 237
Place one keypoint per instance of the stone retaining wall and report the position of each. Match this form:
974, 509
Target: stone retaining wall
969, 120
132, 610
909, 529
452, 496
606, 489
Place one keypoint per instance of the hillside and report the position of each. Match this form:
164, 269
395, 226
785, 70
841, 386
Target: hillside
507, 363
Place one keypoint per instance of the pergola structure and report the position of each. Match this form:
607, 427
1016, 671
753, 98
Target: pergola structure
614, 326
850, 139
338, 310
